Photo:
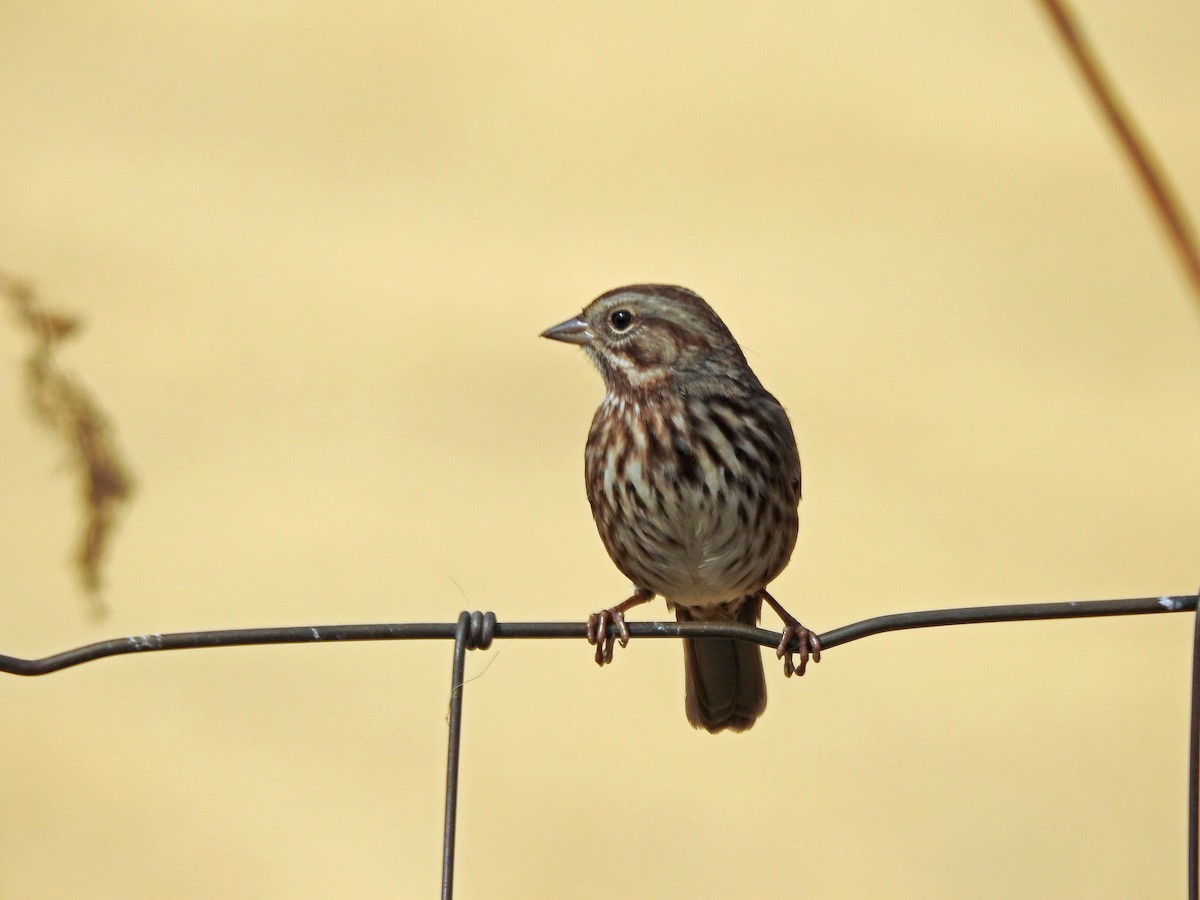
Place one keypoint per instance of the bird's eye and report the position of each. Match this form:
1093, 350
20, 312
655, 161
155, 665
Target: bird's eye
621, 319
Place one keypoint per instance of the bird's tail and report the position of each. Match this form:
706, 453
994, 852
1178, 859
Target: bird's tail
724, 678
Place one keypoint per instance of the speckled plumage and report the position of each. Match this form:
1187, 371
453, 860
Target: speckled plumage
693, 478
694, 496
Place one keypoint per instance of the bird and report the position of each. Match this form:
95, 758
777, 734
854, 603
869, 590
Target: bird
693, 477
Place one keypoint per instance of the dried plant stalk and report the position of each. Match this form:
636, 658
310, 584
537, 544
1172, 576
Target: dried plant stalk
1150, 174
67, 408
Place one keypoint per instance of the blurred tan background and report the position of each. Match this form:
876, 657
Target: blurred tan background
314, 244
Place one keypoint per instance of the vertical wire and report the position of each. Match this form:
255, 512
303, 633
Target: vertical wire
1194, 765
456, 684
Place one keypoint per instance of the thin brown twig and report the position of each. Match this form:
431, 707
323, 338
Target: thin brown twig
1149, 172
67, 408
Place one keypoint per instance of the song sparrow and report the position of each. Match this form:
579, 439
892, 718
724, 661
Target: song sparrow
694, 481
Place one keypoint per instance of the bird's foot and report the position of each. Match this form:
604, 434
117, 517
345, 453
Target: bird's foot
599, 634
796, 640
807, 644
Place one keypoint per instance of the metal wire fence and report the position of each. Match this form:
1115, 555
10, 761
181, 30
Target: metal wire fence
477, 631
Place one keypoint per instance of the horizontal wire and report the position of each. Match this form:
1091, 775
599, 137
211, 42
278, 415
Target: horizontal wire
317, 634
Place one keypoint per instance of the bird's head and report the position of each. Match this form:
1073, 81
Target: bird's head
647, 337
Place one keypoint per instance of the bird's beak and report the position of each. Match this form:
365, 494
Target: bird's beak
572, 331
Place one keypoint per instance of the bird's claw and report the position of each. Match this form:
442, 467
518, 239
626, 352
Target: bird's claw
598, 633
805, 642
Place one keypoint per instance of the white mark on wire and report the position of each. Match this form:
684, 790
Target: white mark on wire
1170, 603
316, 634
146, 641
